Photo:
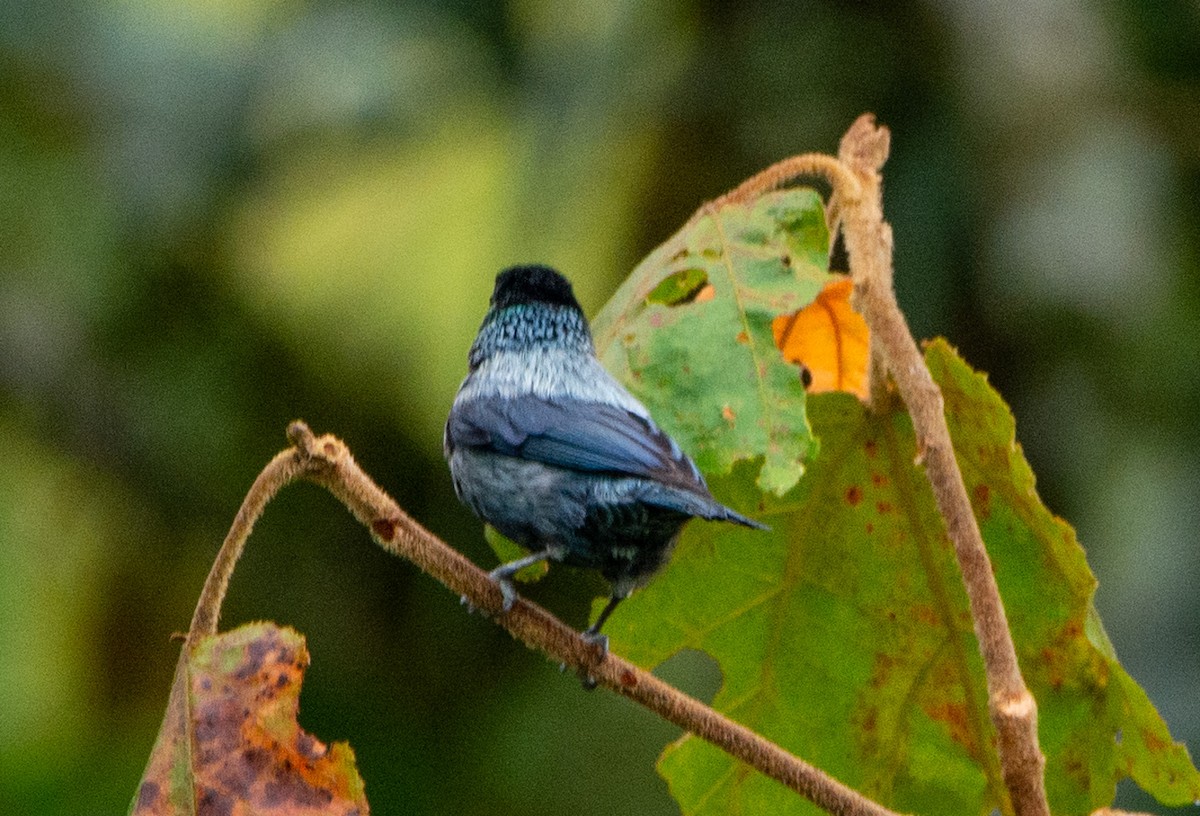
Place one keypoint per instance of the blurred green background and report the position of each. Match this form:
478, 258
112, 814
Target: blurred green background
216, 217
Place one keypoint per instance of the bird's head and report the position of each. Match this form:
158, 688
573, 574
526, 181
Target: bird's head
530, 285
531, 307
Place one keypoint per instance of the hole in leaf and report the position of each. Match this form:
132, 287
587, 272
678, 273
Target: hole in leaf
682, 287
693, 672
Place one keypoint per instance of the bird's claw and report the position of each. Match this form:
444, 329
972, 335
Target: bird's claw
598, 640
507, 590
593, 638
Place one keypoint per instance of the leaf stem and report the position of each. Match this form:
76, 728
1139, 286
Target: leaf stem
326, 461
1012, 708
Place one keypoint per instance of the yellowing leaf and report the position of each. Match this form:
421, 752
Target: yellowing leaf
230, 742
828, 338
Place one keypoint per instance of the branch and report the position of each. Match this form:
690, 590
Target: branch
1012, 708
326, 461
280, 471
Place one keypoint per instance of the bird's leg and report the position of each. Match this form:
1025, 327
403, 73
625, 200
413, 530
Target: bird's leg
503, 574
592, 633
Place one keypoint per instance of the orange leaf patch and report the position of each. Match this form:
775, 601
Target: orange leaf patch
829, 339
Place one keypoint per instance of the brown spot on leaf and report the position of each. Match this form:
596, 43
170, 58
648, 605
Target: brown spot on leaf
384, 528
870, 528
925, 614
870, 719
256, 652
213, 802
882, 669
983, 500
878, 479
147, 796
310, 747
883, 507
727, 414
854, 495
1153, 742
742, 337
872, 448
1052, 665
1077, 769
954, 716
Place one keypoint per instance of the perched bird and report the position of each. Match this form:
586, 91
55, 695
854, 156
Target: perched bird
549, 449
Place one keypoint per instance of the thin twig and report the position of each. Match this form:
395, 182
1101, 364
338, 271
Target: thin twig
869, 244
785, 172
281, 470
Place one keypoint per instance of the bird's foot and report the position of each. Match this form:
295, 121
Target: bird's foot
593, 638
502, 576
596, 639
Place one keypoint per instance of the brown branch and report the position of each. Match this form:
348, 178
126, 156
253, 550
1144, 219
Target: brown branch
281, 470
326, 461
1012, 708
785, 172
398, 533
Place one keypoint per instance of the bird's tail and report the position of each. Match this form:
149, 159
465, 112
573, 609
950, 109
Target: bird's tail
724, 513
699, 503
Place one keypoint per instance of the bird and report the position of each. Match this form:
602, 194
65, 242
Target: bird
547, 447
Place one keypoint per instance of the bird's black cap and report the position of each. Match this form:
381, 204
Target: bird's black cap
532, 284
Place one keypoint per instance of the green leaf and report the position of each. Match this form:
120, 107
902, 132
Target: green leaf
230, 741
844, 633
690, 333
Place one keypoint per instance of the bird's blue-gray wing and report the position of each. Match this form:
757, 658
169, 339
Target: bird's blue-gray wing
582, 436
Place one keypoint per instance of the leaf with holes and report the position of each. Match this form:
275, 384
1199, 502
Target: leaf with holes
691, 333
844, 634
230, 742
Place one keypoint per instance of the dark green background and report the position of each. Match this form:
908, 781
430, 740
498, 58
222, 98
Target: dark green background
218, 217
